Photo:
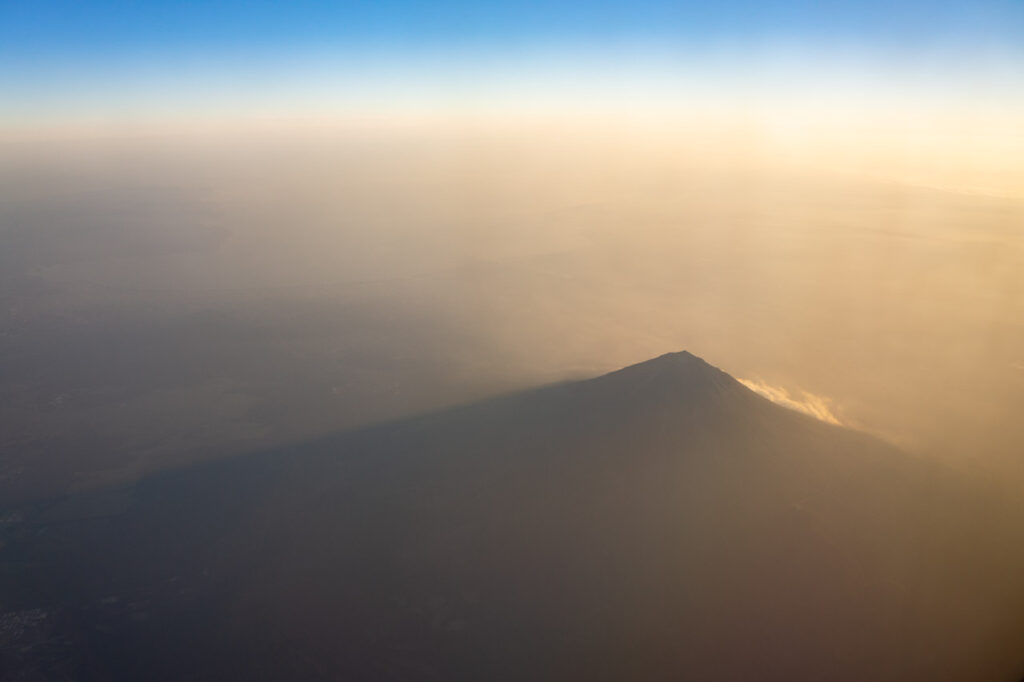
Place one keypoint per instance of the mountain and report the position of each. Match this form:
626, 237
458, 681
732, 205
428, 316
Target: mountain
661, 522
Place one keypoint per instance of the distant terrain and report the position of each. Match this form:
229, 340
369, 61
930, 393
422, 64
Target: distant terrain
661, 522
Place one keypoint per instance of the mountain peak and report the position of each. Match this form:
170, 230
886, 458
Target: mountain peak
677, 359
680, 373
676, 363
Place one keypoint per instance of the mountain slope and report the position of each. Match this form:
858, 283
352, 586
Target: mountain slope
661, 522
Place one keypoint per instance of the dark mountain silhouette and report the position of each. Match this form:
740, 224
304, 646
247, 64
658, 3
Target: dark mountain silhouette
661, 522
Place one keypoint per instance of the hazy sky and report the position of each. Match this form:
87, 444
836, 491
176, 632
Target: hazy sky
97, 62
228, 224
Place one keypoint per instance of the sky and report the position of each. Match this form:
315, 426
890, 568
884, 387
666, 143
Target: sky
118, 61
304, 216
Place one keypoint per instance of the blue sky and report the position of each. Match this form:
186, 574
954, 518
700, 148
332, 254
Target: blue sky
74, 29
67, 54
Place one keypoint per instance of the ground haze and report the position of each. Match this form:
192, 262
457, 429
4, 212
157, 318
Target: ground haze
659, 522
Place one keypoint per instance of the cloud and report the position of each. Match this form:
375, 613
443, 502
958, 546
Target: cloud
808, 403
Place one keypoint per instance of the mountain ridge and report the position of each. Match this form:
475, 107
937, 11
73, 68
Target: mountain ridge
657, 522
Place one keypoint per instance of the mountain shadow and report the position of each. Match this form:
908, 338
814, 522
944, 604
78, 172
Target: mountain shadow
661, 522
